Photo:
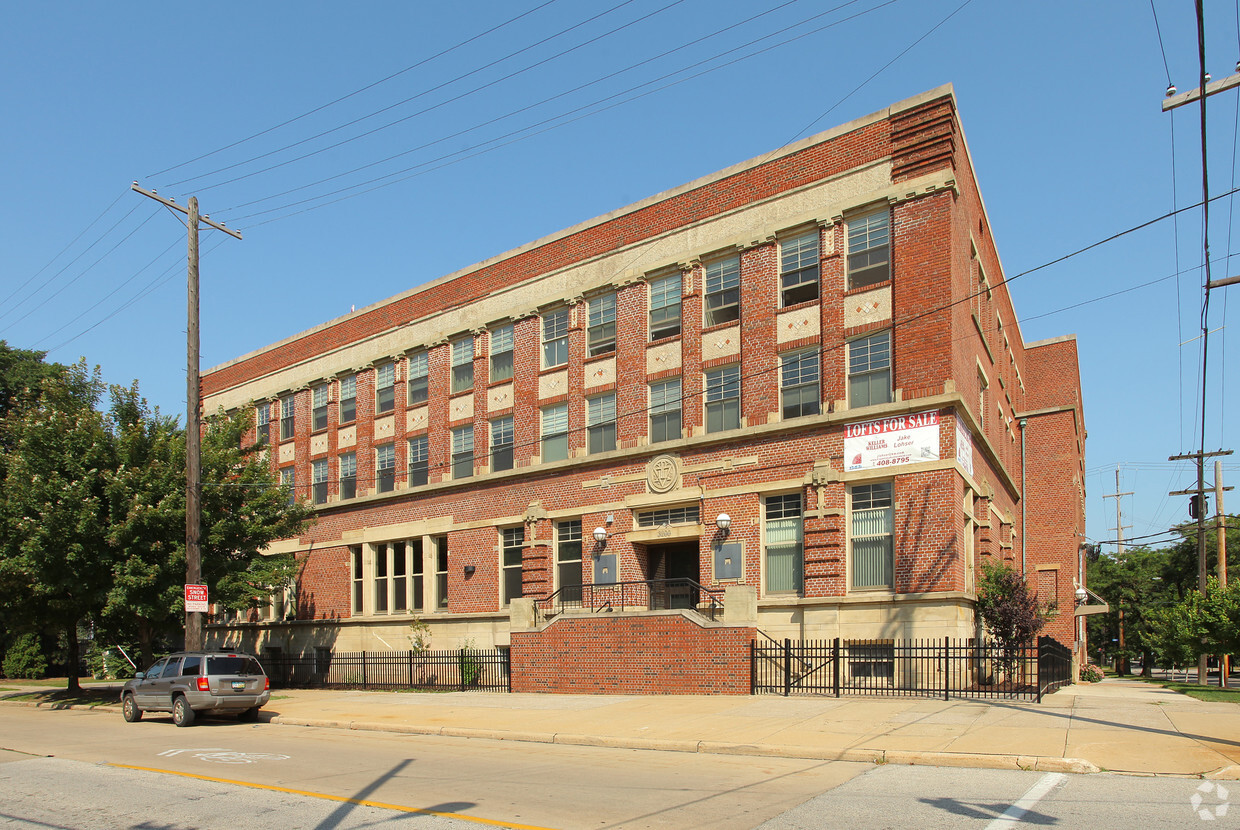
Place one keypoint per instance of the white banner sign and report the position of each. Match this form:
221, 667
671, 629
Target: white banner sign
964, 446
905, 439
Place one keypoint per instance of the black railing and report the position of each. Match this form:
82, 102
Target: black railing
456, 670
912, 668
637, 595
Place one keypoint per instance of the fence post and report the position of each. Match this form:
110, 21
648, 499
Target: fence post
410, 668
753, 667
507, 665
460, 669
947, 668
787, 666
835, 652
363, 668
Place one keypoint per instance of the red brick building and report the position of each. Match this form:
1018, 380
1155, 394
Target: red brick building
799, 382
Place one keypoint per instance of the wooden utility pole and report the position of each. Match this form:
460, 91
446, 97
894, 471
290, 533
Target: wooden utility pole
1220, 527
195, 639
1121, 662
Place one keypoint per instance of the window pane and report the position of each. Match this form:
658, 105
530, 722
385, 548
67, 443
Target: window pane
348, 399
798, 269
665, 306
723, 279
502, 440
419, 465
555, 433
869, 247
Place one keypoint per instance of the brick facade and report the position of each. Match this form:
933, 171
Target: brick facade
831, 548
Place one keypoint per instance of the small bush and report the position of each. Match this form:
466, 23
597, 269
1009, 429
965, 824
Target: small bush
1090, 674
25, 659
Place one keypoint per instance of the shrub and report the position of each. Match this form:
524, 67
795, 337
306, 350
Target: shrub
25, 659
1090, 673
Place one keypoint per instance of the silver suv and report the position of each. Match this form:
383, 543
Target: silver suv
197, 681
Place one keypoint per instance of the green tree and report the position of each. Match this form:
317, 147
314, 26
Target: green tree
55, 561
1136, 584
1007, 608
22, 372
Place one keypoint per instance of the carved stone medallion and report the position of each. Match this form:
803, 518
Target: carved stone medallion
663, 473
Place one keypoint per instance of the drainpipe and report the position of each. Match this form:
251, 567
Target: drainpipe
1023, 534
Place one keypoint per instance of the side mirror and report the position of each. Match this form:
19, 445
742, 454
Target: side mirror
139, 675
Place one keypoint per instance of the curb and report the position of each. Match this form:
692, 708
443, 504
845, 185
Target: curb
1039, 763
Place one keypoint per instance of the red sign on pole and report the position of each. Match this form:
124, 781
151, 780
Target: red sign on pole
196, 598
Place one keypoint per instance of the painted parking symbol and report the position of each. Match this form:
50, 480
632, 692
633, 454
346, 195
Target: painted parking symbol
224, 756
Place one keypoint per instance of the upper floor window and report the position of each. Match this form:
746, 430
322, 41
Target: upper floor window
318, 413
419, 461
665, 306
287, 425
288, 480
601, 423
262, 420
348, 398
601, 334
784, 543
555, 338
869, 249
501, 353
723, 398
512, 542
555, 432
318, 480
723, 291
417, 387
665, 410
871, 535
869, 370
463, 451
502, 440
462, 364
798, 269
385, 467
348, 475
798, 384
385, 388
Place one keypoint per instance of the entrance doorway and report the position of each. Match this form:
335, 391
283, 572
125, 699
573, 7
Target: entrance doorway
671, 567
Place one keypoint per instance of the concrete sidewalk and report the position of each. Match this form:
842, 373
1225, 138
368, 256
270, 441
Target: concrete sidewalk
1117, 725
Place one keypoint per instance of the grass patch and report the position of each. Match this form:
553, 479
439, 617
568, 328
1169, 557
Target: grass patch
1210, 694
54, 698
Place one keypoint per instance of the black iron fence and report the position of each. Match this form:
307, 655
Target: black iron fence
455, 670
913, 668
637, 595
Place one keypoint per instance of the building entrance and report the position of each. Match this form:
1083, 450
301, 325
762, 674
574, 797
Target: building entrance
675, 571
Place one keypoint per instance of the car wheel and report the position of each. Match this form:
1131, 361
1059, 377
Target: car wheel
129, 708
182, 714
248, 715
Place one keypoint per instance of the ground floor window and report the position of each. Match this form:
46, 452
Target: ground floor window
568, 559
871, 538
784, 543
512, 542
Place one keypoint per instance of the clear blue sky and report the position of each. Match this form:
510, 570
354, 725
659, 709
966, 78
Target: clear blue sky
1059, 100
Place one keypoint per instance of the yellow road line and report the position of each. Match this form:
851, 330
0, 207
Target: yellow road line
401, 807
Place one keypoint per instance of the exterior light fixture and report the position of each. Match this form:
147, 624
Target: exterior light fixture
1081, 595
600, 536
469, 569
724, 522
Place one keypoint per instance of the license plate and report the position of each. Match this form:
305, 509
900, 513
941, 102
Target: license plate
238, 685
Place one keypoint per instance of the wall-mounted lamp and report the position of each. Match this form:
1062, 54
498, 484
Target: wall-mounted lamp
724, 522
1081, 595
600, 536
469, 570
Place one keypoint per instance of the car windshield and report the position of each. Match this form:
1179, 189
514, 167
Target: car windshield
233, 665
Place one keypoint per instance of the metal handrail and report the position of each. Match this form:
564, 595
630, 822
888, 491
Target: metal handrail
644, 594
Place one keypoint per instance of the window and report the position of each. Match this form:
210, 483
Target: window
400, 576
784, 541
416, 388
318, 415
348, 475
869, 370
723, 398
555, 338
665, 410
601, 333
441, 571
463, 452
982, 386
262, 420
799, 384
869, 249
501, 354
462, 365
568, 559
665, 306
501, 443
380, 584
415, 573
359, 578
385, 388
318, 480
871, 537
385, 467
798, 269
601, 423
348, 398
512, 542
687, 515
555, 433
723, 291
419, 461
286, 418
288, 480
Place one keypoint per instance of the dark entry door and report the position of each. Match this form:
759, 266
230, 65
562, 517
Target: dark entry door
676, 563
